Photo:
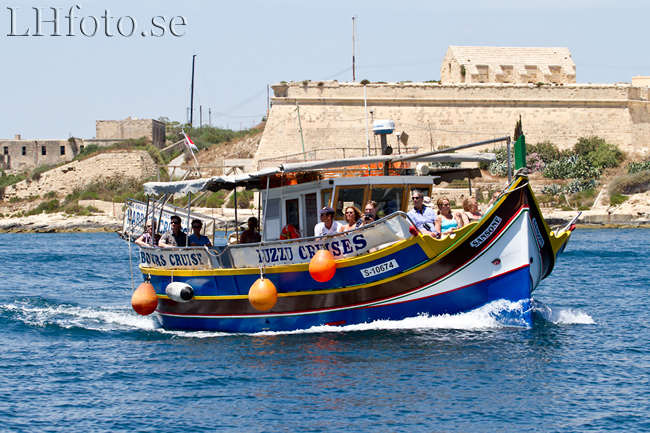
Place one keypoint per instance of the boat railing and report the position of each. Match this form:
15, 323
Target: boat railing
368, 238
137, 213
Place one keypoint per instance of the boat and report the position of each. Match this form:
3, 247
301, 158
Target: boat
386, 270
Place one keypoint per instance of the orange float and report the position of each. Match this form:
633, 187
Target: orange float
322, 266
262, 295
144, 300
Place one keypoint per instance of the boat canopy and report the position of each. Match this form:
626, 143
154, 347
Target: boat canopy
251, 180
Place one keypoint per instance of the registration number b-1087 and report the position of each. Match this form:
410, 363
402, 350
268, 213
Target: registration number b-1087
379, 269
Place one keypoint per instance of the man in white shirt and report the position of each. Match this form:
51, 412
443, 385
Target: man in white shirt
327, 226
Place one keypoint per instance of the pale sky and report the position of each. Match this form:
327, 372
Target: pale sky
57, 86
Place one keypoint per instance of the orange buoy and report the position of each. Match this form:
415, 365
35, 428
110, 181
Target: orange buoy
144, 300
322, 266
262, 295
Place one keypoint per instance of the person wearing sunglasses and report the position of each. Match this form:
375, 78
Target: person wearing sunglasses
145, 239
196, 240
174, 237
422, 216
352, 219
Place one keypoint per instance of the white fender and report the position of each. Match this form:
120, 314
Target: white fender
179, 292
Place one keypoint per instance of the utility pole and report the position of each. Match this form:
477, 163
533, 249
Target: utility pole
192, 94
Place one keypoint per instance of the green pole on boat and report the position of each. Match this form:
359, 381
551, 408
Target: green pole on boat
520, 152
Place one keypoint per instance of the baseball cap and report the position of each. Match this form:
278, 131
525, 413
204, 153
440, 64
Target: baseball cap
326, 210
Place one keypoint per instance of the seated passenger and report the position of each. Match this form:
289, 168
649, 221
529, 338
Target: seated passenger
446, 221
352, 218
145, 239
250, 235
174, 237
196, 240
371, 208
327, 226
422, 216
470, 210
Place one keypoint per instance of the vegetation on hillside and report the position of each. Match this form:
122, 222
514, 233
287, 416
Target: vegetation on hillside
205, 136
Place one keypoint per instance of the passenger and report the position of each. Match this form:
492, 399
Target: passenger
145, 239
196, 240
352, 218
495, 196
470, 210
327, 226
371, 208
251, 235
174, 237
446, 221
422, 216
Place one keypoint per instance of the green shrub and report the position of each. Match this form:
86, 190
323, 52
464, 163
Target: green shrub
617, 199
574, 167
631, 183
599, 152
635, 167
15, 200
546, 151
51, 194
46, 206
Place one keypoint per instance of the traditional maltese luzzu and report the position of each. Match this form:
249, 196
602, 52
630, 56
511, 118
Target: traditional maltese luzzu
384, 270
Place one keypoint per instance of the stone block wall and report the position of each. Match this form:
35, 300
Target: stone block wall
118, 130
17, 155
332, 114
64, 179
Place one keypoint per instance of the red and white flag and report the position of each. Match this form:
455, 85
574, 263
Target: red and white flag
189, 143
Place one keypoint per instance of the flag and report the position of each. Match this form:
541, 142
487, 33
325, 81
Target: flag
189, 143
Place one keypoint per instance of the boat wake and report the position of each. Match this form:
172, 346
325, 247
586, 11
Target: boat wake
560, 316
39, 312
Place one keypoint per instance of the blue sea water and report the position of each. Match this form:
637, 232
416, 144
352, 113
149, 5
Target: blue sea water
75, 357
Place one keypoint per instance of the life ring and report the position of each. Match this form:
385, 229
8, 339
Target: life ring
289, 232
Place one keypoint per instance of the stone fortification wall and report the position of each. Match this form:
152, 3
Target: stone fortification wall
63, 180
433, 115
117, 130
17, 155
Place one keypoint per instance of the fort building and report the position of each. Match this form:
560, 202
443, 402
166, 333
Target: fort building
112, 131
516, 65
308, 116
20, 154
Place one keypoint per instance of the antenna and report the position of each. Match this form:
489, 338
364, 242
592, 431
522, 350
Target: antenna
353, 71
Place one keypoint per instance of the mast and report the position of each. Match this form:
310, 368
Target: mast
192, 94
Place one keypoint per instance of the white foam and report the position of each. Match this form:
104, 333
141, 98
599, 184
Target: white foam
69, 316
562, 316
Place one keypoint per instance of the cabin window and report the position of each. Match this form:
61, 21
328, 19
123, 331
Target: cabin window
43, 150
311, 214
292, 208
388, 198
62, 150
24, 150
349, 196
325, 197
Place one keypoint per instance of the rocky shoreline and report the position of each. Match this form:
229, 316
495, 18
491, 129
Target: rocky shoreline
62, 223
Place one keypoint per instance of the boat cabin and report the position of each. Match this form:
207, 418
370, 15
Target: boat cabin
297, 203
